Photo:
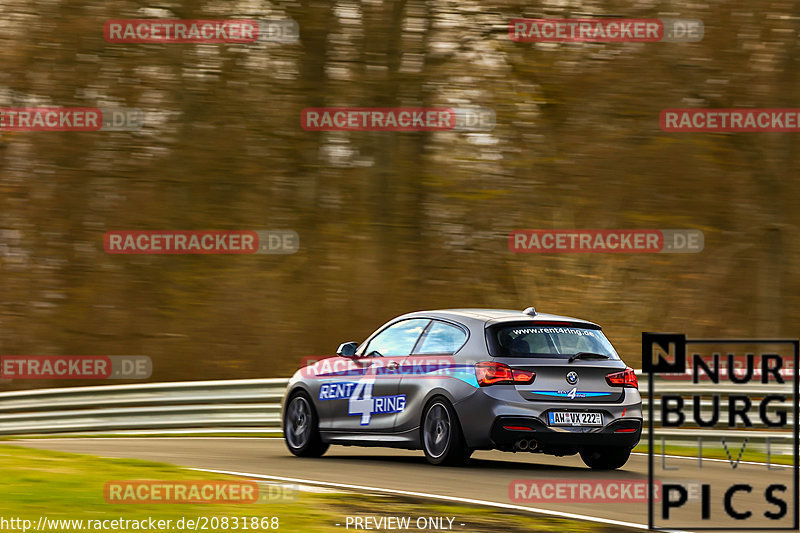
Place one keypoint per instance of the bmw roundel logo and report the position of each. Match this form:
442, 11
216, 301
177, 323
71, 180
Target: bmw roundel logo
572, 378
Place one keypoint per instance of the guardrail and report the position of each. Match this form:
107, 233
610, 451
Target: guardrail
166, 407
240, 406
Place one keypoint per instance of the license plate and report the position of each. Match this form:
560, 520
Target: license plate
573, 418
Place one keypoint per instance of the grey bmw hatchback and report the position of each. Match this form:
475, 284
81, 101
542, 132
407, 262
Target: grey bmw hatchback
457, 380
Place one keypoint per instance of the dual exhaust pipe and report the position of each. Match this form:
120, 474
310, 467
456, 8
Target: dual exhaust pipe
526, 445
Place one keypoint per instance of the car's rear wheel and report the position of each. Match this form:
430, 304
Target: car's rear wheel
605, 457
442, 439
301, 427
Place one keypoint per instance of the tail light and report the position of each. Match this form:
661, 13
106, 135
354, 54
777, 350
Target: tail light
491, 373
626, 378
523, 377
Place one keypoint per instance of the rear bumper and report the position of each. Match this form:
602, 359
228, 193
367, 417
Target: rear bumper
507, 430
481, 414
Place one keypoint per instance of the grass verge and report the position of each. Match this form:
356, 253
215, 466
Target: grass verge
70, 486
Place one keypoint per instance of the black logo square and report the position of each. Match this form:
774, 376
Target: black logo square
669, 350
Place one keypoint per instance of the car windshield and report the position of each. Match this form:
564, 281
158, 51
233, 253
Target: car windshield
544, 340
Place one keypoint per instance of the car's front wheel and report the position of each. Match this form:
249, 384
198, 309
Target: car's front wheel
301, 427
604, 457
442, 439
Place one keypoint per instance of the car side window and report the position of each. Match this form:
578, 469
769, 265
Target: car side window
441, 338
398, 339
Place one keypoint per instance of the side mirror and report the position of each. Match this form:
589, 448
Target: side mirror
347, 349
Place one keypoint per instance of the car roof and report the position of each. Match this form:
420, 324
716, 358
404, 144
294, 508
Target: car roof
494, 316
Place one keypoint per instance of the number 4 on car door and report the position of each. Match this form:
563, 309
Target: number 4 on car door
360, 402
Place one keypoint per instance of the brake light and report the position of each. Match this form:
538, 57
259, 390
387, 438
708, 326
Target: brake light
523, 377
626, 378
491, 373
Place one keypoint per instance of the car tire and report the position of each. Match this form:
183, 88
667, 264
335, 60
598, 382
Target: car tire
301, 427
441, 436
604, 457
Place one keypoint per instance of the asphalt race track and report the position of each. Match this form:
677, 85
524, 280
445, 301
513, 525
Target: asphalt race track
486, 478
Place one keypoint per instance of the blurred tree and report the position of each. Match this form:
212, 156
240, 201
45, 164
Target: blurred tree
389, 222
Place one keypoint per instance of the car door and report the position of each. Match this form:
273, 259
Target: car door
367, 399
431, 363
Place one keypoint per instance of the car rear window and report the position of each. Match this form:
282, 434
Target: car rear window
546, 340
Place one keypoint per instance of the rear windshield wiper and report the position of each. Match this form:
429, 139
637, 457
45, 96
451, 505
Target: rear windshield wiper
587, 355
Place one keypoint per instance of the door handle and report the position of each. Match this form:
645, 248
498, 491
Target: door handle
392, 365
